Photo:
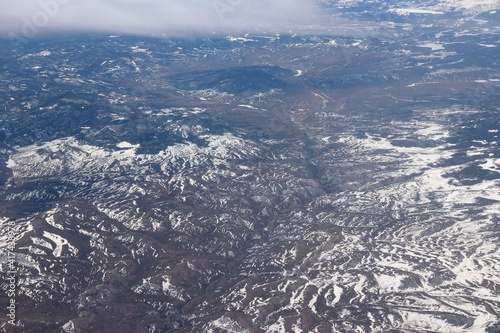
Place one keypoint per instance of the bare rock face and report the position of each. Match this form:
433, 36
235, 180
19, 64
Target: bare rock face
347, 183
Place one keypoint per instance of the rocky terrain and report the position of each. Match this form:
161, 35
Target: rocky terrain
344, 182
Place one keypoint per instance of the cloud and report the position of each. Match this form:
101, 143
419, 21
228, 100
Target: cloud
158, 16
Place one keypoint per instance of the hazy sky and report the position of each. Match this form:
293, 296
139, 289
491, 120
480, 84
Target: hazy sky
157, 16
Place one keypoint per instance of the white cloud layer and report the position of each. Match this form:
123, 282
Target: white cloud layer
29, 17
